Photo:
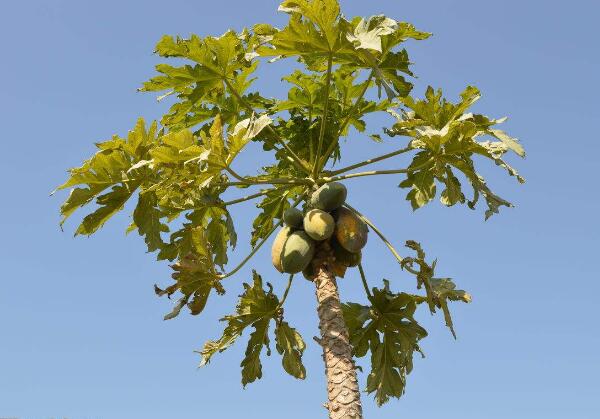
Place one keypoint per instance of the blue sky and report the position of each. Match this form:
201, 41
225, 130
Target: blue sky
82, 334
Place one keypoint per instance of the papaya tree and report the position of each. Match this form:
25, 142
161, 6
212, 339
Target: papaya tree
178, 169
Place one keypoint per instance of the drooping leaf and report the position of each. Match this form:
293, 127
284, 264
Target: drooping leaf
290, 344
194, 273
438, 290
256, 309
389, 331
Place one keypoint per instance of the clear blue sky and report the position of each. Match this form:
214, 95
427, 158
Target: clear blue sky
81, 332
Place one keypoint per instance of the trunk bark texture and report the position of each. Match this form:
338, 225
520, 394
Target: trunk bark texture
342, 385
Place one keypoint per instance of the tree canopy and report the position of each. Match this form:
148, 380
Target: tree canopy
178, 169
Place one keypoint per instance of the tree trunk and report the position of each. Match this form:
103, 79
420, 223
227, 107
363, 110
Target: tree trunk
342, 385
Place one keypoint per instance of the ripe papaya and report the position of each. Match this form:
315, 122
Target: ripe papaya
277, 247
329, 196
297, 252
350, 231
293, 217
345, 257
318, 224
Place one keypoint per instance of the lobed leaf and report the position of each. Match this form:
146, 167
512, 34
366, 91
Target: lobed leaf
256, 309
389, 331
448, 139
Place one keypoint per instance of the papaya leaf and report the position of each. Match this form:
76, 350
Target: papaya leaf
367, 33
116, 165
447, 139
218, 229
273, 206
251, 364
389, 331
200, 86
438, 290
290, 344
147, 218
444, 290
194, 273
109, 204
256, 308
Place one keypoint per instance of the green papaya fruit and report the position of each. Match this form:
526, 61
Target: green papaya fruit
277, 247
345, 257
318, 224
298, 251
350, 231
293, 217
329, 196
309, 272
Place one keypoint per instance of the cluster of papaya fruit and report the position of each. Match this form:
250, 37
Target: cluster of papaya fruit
324, 221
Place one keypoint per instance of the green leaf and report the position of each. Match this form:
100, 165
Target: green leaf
290, 344
194, 273
323, 14
367, 33
217, 64
453, 193
147, 219
176, 147
256, 308
109, 204
273, 206
386, 328
121, 165
251, 364
218, 229
444, 290
447, 139
243, 133
439, 290
423, 188
510, 142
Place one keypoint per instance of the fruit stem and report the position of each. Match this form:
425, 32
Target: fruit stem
382, 237
287, 290
364, 282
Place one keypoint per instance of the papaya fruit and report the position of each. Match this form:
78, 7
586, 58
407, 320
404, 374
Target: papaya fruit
318, 224
345, 257
329, 196
292, 217
336, 268
277, 247
309, 272
298, 251
350, 231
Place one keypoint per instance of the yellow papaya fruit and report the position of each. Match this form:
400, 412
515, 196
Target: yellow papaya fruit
350, 231
277, 247
318, 224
